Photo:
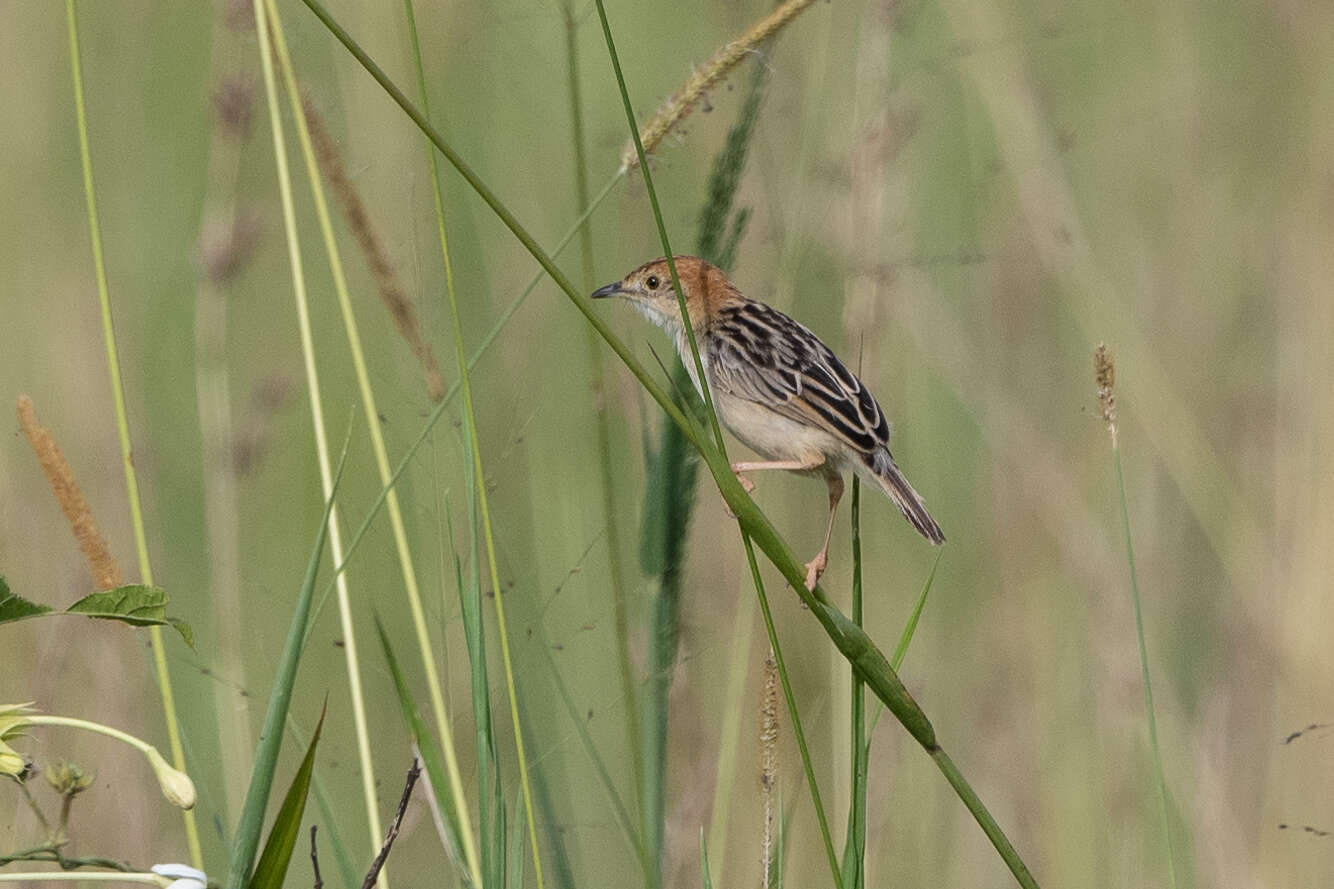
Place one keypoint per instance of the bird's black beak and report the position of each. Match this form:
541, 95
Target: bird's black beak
610, 290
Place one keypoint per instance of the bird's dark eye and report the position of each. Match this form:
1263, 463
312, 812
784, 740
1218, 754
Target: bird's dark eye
652, 282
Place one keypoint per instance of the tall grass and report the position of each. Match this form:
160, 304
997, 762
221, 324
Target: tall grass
112, 351
1035, 179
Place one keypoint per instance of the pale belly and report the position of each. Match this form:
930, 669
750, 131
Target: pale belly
775, 437
768, 433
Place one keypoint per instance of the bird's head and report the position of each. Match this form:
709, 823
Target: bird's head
649, 289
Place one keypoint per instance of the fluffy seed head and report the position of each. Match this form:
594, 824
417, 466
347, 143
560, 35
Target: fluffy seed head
1104, 373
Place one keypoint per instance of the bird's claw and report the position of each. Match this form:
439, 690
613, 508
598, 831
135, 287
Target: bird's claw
746, 484
814, 568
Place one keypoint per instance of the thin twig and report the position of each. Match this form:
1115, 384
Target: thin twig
315, 859
413, 774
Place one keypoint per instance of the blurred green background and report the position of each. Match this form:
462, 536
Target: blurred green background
963, 198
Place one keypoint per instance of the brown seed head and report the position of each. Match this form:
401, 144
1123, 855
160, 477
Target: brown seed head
65, 487
670, 114
769, 757
1104, 372
359, 221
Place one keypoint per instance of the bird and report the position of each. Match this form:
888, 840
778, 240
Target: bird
776, 387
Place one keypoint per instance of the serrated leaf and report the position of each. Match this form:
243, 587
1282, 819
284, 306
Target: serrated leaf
14, 607
134, 604
277, 854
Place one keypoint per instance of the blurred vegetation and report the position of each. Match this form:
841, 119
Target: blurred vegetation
961, 198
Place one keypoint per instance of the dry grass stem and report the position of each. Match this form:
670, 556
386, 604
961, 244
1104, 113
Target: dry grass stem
683, 101
106, 574
386, 280
769, 759
1104, 371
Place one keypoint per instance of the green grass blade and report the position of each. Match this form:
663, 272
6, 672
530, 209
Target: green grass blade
791, 700
905, 638
128, 470
280, 699
854, 846
452, 809
562, 872
851, 641
331, 836
1144, 669
470, 429
272, 867
602, 420
599, 764
705, 878
662, 226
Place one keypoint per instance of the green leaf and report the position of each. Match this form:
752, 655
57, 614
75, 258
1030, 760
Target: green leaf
13, 607
277, 854
705, 879
134, 604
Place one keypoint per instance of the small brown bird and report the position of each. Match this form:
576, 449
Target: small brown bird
776, 387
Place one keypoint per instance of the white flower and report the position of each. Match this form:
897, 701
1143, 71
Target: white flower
182, 876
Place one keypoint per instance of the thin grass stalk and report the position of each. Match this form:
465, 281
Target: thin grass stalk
716, 241
328, 819
706, 879
470, 597
729, 730
381, 456
502, 212
768, 767
704, 389
489, 801
662, 227
619, 600
558, 860
619, 809
242, 860
439, 410
1105, 374
351, 658
675, 109
790, 698
854, 850
668, 503
666, 613
470, 424
1159, 775
123, 426
223, 245
850, 639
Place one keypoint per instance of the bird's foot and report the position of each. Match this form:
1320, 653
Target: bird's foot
746, 484
726, 508
814, 568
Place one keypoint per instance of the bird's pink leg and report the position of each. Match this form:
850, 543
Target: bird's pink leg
756, 465
816, 566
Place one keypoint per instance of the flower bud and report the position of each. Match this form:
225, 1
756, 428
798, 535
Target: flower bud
176, 785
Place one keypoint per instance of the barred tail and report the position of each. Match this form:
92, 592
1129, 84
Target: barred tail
886, 472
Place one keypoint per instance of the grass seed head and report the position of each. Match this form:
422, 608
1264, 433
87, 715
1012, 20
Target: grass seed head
65, 487
1104, 372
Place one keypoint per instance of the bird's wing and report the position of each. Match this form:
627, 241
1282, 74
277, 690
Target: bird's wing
759, 354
